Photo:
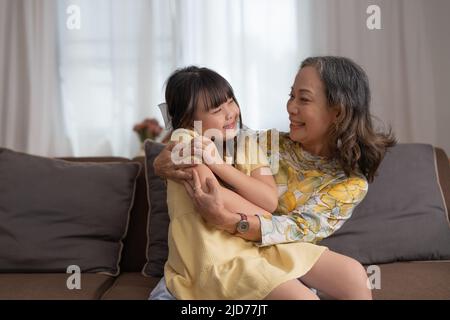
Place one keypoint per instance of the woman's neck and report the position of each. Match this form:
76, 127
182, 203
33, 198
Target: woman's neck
320, 150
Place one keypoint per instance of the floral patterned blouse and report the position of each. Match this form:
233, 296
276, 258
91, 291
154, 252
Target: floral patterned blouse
315, 196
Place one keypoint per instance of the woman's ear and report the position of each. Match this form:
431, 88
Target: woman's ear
335, 112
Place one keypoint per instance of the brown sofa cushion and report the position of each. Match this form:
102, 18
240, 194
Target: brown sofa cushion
403, 217
56, 213
158, 218
43, 286
414, 280
131, 286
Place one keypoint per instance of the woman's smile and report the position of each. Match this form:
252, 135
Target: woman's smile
296, 125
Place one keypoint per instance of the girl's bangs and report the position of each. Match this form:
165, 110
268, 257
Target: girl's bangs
214, 93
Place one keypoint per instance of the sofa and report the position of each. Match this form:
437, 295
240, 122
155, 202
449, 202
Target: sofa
399, 279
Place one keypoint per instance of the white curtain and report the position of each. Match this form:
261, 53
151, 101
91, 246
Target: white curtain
114, 67
30, 114
112, 70
398, 59
256, 45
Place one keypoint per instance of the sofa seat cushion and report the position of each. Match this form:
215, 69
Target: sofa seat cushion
131, 286
414, 280
42, 286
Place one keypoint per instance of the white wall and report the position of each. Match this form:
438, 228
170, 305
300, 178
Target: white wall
438, 29
407, 61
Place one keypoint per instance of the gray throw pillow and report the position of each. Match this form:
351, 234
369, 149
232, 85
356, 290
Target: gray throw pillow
158, 217
403, 216
56, 213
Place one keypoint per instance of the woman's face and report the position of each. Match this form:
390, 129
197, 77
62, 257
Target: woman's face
224, 119
309, 114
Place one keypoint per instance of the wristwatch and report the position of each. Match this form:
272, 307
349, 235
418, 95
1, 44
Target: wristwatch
243, 225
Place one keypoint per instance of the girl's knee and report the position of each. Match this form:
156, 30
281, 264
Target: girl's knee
292, 290
354, 270
358, 276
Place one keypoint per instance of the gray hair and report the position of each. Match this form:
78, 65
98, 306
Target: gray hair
346, 83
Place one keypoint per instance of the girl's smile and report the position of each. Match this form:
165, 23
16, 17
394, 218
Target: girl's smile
231, 125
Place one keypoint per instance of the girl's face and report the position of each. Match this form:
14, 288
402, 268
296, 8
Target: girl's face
224, 118
309, 114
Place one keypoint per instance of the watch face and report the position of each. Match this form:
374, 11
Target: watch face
243, 226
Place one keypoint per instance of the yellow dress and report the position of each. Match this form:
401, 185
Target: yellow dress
207, 263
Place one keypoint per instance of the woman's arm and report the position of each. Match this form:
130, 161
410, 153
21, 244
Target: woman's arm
320, 216
209, 200
323, 214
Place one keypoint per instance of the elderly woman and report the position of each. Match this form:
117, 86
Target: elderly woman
325, 163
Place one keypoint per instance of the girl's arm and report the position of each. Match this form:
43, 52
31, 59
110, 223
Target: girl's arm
257, 188
232, 201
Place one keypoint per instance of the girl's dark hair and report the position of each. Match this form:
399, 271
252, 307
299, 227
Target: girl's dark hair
356, 144
188, 87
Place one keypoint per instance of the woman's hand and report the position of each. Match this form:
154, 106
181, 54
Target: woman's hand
166, 169
209, 203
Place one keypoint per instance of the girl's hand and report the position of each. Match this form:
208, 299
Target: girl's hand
205, 149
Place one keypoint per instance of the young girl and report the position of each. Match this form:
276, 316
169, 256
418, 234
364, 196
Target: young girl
204, 262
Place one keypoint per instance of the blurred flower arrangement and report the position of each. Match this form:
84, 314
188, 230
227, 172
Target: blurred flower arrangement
148, 129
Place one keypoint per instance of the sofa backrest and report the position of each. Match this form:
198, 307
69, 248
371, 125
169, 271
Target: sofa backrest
134, 252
